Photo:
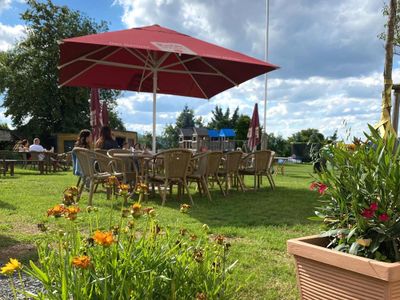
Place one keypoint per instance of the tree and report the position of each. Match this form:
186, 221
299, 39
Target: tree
278, 144
32, 99
186, 119
309, 135
242, 127
221, 120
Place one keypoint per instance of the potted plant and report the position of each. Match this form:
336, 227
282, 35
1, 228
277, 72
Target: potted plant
357, 257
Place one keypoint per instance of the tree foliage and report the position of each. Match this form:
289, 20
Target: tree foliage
222, 119
309, 135
278, 144
242, 127
30, 77
383, 35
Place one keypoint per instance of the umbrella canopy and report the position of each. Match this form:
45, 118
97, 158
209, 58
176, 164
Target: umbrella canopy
104, 114
253, 134
95, 114
154, 59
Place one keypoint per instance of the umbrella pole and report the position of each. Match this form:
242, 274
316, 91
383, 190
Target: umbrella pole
154, 148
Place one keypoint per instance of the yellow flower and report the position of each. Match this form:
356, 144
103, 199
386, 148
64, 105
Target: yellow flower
103, 238
12, 266
82, 262
364, 242
141, 188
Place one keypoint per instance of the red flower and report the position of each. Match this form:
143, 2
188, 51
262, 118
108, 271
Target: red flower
384, 217
322, 188
313, 185
373, 206
367, 213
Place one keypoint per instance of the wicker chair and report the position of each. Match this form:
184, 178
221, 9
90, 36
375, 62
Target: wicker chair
230, 169
87, 163
199, 173
256, 164
213, 163
269, 168
174, 170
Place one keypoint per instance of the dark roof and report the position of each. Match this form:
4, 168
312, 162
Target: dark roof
186, 132
227, 132
213, 133
200, 131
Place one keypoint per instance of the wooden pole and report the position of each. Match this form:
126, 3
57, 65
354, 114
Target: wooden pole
396, 107
384, 126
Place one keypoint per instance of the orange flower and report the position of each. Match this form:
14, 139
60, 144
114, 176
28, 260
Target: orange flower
112, 180
56, 211
82, 262
141, 188
71, 212
103, 238
135, 209
123, 189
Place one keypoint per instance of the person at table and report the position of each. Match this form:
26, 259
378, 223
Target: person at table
106, 141
36, 147
23, 146
84, 140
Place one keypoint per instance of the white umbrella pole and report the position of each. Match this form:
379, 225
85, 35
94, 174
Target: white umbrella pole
264, 137
154, 147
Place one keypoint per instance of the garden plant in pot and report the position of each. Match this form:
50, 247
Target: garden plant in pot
358, 255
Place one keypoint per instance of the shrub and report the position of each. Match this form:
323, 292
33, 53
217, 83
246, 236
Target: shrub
360, 206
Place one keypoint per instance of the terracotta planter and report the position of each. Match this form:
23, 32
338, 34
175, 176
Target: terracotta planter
331, 275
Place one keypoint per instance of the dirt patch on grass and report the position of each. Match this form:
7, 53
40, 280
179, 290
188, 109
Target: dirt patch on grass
19, 251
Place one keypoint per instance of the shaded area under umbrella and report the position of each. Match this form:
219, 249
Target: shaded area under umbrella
154, 59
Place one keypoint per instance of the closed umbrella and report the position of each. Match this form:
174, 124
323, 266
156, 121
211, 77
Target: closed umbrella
104, 114
253, 135
95, 114
154, 59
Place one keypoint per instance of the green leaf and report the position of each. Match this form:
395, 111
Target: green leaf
39, 273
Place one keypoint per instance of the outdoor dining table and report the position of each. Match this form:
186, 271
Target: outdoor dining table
143, 159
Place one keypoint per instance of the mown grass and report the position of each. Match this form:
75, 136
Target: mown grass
258, 223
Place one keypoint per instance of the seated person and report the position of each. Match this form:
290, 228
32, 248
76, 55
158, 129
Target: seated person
84, 140
106, 141
36, 147
23, 146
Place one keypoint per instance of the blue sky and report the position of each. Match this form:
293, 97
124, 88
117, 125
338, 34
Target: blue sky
330, 57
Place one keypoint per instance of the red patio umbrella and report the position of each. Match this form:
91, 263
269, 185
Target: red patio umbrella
154, 59
95, 116
104, 114
253, 134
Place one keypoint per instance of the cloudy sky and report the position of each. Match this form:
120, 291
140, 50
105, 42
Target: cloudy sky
330, 57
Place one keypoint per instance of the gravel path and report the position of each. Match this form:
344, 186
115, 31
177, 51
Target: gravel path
31, 285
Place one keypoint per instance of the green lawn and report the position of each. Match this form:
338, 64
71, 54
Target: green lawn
257, 223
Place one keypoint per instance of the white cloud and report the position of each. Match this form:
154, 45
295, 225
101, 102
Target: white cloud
9, 35
5, 4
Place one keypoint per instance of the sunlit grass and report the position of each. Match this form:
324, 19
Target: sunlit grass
258, 223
